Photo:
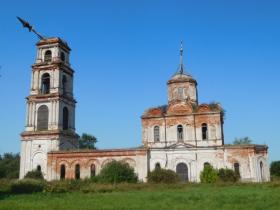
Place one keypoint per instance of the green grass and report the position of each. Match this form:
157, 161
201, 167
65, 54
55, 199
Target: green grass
158, 197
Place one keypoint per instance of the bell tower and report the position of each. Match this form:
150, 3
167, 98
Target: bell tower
50, 117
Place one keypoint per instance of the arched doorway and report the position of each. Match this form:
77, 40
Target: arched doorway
77, 171
38, 168
62, 171
92, 170
182, 171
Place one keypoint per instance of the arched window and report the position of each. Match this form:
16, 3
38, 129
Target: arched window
206, 164
156, 134
204, 129
64, 84
48, 56
77, 171
261, 170
92, 170
38, 168
45, 84
157, 166
42, 118
62, 171
65, 118
62, 56
180, 133
236, 168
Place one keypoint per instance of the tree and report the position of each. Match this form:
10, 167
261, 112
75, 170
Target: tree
87, 141
9, 166
209, 174
116, 172
245, 140
163, 176
275, 168
228, 175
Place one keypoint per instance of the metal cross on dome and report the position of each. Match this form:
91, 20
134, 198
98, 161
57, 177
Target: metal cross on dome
30, 28
181, 69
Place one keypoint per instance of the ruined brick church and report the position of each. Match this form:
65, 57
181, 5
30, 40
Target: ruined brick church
183, 135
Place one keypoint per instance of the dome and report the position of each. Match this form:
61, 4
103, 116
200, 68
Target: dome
181, 77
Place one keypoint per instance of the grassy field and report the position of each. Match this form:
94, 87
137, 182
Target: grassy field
141, 196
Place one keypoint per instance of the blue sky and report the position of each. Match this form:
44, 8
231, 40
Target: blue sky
124, 52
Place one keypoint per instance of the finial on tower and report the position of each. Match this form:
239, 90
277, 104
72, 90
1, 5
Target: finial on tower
30, 28
181, 67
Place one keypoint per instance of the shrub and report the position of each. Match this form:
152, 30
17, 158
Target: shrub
57, 187
209, 174
5, 185
227, 175
36, 174
275, 168
163, 176
116, 172
27, 186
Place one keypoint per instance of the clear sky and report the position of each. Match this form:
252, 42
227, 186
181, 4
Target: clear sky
123, 53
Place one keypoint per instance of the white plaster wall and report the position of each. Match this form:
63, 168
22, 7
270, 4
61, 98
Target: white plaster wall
195, 159
34, 152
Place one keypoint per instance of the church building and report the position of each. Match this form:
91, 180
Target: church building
183, 135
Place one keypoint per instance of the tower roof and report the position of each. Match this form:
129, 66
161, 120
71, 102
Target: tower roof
181, 74
53, 40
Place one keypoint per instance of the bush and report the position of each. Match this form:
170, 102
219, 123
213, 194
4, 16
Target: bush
34, 175
57, 187
227, 175
27, 186
163, 176
209, 174
275, 168
5, 186
116, 172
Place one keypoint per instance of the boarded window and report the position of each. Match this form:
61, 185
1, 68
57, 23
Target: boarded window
64, 85
204, 129
42, 118
62, 171
180, 93
45, 84
182, 171
65, 118
77, 171
92, 170
180, 133
156, 134
48, 56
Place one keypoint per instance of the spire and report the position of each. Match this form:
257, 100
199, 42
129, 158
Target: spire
181, 66
180, 71
25, 24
